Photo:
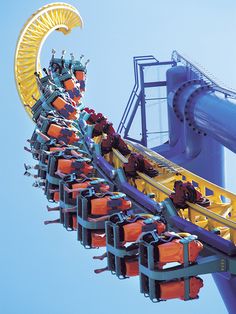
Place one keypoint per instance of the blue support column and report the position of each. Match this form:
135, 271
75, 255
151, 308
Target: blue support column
143, 109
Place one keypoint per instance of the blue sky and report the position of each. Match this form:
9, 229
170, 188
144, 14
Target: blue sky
44, 269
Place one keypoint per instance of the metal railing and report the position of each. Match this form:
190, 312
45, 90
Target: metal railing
203, 75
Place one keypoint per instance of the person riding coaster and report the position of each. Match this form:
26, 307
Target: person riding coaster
57, 100
71, 85
101, 204
132, 226
67, 80
95, 238
59, 166
169, 247
69, 164
186, 192
59, 129
100, 186
39, 138
80, 184
174, 289
50, 146
137, 162
62, 151
45, 118
54, 190
67, 109
64, 134
73, 67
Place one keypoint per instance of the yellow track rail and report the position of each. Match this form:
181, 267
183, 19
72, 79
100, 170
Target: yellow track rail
220, 215
56, 16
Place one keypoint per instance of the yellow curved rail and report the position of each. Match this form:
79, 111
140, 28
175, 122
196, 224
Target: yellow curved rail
55, 16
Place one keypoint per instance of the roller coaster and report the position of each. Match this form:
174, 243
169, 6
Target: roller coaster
162, 213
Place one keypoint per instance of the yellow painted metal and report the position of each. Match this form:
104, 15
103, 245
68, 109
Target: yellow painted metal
55, 16
218, 215
118, 158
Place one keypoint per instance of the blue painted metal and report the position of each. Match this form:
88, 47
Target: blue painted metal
187, 146
196, 141
138, 98
226, 284
143, 109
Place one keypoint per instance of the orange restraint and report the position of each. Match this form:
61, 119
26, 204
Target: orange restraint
74, 222
66, 166
98, 239
57, 149
82, 185
176, 289
61, 133
73, 90
131, 268
102, 206
132, 231
80, 75
56, 196
67, 110
174, 251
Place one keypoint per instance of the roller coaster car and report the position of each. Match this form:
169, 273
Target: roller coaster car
132, 226
72, 189
137, 162
100, 204
43, 124
122, 260
61, 133
91, 234
50, 115
80, 76
183, 289
186, 192
92, 117
53, 149
170, 247
73, 90
68, 164
63, 107
103, 126
114, 141
47, 147
107, 203
70, 84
